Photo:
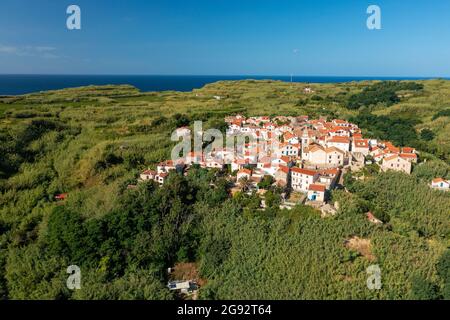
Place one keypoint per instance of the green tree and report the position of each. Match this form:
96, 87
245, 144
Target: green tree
426, 134
422, 289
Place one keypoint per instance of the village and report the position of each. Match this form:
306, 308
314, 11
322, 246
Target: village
306, 157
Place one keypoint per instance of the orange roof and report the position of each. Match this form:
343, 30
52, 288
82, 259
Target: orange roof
168, 163
315, 147
246, 171
361, 143
61, 196
285, 159
408, 150
284, 169
333, 171
288, 136
408, 155
437, 180
339, 140
304, 171
317, 187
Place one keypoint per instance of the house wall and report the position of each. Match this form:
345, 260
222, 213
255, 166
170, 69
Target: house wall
339, 145
335, 158
317, 157
320, 196
300, 182
397, 164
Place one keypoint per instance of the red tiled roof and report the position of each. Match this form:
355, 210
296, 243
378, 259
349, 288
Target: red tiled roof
408, 155
408, 150
361, 143
333, 171
284, 169
61, 196
285, 159
246, 171
317, 187
304, 171
339, 140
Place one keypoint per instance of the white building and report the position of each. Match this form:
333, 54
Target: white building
301, 179
440, 184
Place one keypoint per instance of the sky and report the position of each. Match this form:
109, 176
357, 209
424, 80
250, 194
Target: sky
226, 37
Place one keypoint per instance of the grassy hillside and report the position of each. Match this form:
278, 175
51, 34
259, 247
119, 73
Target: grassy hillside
92, 142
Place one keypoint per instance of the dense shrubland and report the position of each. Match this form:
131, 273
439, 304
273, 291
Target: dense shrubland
92, 143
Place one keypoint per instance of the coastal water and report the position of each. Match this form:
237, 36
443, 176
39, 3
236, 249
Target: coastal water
21, 84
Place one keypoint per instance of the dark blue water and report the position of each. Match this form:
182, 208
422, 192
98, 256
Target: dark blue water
21, 84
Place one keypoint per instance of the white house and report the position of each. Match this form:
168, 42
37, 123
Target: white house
396, 163
342, 143
301, 179
361, 145
440, 184
316, 192
320, 156
290, 150
148, 175
335, 157
165, 167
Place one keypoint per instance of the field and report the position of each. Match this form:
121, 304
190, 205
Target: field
92, 142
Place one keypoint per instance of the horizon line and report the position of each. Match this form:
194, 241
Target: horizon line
226, 75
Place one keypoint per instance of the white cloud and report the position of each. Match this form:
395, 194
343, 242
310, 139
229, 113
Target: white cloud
29, 51
45, 49
7, 49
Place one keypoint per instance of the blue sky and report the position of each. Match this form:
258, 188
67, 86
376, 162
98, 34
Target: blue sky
226, 37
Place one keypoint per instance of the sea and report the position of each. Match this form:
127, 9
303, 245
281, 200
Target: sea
22, 84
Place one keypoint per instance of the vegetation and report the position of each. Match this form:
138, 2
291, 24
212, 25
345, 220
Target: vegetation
385, 93
92, 143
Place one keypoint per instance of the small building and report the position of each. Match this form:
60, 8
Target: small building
161, 177
165, 167
61, 197
396, 163
316, 192
148, 175
440, 184
183, 286
247, 173
361, 145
